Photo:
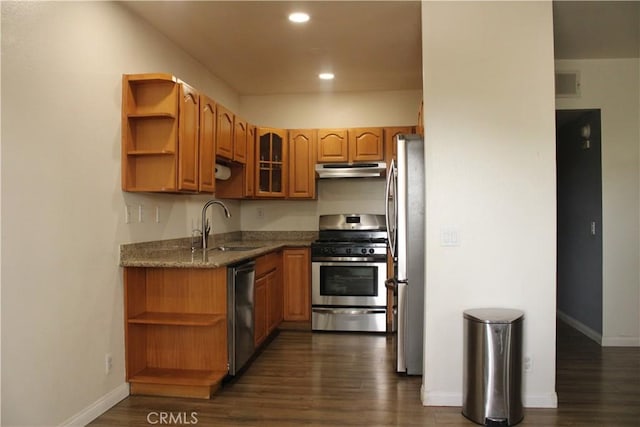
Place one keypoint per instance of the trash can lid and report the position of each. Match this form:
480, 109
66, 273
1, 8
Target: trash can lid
493, 315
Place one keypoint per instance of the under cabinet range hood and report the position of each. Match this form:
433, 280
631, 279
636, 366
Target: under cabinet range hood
351, 170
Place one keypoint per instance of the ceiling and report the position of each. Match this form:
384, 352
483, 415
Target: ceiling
369, 45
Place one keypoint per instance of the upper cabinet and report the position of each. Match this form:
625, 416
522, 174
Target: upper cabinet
224, 133
188, 137
333, 146
350, 145
420, 125
390, 134
365, 144
160, 136
302, 148
172, 137
240, 140
250, 169
271, 161
207, 144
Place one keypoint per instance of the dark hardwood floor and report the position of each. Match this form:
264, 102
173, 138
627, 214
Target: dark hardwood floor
348, 380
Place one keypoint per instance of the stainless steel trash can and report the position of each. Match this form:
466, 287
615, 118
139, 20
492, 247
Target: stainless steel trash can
492, 372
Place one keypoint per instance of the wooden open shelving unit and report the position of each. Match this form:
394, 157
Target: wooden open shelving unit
176, 330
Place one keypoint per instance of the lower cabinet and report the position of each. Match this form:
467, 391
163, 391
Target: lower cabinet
268, 295
175, 330
297, 284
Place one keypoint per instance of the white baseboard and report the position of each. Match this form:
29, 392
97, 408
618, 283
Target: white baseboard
621, 342
604, 341
540, 400
440, 398
530, 400
98, 407
576, 324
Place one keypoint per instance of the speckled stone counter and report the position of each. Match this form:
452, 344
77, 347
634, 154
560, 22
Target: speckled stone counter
178, 253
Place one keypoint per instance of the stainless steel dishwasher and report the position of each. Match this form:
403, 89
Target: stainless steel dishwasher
240, 284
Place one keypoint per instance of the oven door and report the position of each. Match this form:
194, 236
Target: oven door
348, 283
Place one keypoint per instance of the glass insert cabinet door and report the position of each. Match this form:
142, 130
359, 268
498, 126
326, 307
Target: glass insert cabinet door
271, 161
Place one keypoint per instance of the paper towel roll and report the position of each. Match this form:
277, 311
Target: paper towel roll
222, 172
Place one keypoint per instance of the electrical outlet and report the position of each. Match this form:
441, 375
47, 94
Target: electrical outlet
528, 364
260, 212
108, 363
158, 214
127, 214
140, 213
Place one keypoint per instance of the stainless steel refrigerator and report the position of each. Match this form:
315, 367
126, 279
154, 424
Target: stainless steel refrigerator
405, 192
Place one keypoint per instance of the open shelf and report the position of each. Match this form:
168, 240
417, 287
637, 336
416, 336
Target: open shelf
178, 376
177, 319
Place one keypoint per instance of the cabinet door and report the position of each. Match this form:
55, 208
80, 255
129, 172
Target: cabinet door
365, 144
274, 300
207, 145
240, 141
302, 176
332, 145
297, 285
224, 133
260, 311
188, 138
390, 147
271, 163
420, 125
250, 165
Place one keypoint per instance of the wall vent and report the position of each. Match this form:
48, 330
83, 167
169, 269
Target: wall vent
567, 84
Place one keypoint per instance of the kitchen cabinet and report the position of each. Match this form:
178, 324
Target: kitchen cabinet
240, 140
297, 284
207, 145
420, 125
149, 132
333, 146
241, 183
250, 169
224, 133
168, 135
268, 298
271, 162
390, 134
365, 144
302, 176
350, 145
260, 311
175, 330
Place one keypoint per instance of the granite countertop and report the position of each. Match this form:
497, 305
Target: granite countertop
177, 253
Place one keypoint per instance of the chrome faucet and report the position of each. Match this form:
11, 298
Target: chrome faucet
205, 226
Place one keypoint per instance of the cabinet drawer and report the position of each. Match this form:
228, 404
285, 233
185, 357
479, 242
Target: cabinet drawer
267, 263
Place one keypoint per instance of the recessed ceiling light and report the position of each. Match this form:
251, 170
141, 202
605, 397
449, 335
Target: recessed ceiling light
299, 17
326, 76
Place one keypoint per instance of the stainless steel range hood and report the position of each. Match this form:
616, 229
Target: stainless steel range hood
351, 170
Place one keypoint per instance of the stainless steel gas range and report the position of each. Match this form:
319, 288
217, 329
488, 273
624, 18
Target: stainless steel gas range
348, 273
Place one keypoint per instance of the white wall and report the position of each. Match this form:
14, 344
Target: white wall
309, 111
490, 153
62, 207
613, 85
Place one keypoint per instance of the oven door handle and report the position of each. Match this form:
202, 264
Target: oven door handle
328, 310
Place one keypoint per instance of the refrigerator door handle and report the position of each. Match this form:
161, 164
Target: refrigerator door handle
391, 228
391, 284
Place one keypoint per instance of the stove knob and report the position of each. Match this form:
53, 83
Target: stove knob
348, 250
364, 250
371, 251
325, 251
333, 250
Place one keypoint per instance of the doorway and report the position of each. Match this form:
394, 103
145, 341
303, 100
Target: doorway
579, 220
